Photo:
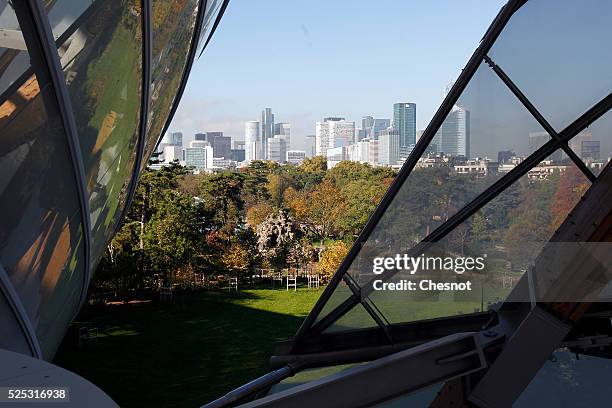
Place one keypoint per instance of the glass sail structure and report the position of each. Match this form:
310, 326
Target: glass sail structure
512, 156
87, 88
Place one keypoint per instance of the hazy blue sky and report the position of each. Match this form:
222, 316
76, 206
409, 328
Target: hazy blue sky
315, 58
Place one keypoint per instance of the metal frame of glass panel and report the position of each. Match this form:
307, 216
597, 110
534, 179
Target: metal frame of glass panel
311, 326
312, 347
42, 47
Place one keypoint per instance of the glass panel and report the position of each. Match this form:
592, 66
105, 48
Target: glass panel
356, 318
485, 135
173, 25
594, 144
567, 381
340, 294
107, 202
102, 62
506, 236
40, 227
63, 14
13, 55
61, 289
556, 53
210, 15
308, 375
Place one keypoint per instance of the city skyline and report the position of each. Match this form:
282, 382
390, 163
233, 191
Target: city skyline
302, 89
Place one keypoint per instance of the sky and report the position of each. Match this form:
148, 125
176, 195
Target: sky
307, 59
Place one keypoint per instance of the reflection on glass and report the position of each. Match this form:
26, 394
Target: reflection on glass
210, 15
14, 59
556, 52
102, 62
568, 381
508, 234
173, 26
40, 227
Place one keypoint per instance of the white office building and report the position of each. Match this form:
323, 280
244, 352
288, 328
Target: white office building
389, 147
277, 149
199, 157
333, 132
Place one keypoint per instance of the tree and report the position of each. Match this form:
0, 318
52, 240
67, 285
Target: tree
572, 185
314, 164
221, 196
258, 214
277, 184
326, 205
332, 257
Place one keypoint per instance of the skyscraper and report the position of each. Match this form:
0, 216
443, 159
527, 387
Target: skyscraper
453, 137
378, 126
175, 139
333, 132
277, 149
266, 130
284, 131
404, 121
389, 147
367, 124
252, 141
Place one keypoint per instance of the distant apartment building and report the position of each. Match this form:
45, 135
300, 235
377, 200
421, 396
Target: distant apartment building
545, 169
404, 122
295, 157
477, 167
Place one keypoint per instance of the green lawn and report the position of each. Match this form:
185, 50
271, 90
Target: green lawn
207, 343
188, 352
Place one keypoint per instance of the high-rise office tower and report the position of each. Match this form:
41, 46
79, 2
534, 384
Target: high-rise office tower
389, 147
252, 141
277, 149
453, 137
333, 132
378, 126
539, 139
266, 130
590, 150
311, 150
175, 139
367, 131
283, 130
199, 136
404, 121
